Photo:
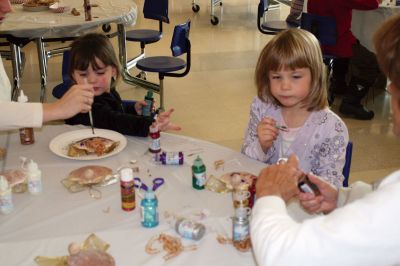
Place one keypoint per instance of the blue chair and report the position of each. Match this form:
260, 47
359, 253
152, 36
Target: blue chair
60, 89
152, 9
166, 66
272, 27
347, 164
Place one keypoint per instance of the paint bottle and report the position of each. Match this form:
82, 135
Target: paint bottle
241, 230
88, 10
25, 134
155, 145
198, 174
189, 229
6, 204
171, 158
127, 189
147, 109
34, 176
149, 212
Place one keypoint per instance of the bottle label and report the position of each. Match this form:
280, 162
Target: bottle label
240, 231
149, 216
200, 178
186, 229
146, 110
172, 158
6, 205
155, 145
35, 186
128, 196
26, 136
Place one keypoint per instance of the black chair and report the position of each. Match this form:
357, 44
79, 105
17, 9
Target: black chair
270, 27
166, 66
152, 9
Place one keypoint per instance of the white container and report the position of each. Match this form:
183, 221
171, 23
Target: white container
6, 204
34, 176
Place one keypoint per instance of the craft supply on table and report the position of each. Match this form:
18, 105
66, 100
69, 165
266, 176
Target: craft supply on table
127, 189
157, 182
241, 230
171, 158
148, 108
26, 134
34, 176
6, 204
198, 174
189, 229
154, 133
149, 212
172, 245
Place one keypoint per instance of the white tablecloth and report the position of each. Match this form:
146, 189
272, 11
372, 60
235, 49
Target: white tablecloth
364, 23
45, 224
20, 23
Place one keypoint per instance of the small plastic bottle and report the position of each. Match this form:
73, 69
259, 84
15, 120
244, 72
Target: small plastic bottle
149, 212
155, 145
241, 230
34, 176
88, 10
190, 229
171, 158
198, 174
25, 134
6, 204
127, 189
146, 110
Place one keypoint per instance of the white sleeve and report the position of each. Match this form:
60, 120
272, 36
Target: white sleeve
5, 86
364, 232
15, 115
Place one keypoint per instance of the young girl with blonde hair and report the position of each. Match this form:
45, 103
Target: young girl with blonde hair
290, 115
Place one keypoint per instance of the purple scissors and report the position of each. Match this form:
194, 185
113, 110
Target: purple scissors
157, 182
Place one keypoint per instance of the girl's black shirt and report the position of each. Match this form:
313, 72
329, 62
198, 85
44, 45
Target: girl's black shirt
110, 112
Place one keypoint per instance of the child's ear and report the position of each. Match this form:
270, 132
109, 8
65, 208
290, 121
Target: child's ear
114, 72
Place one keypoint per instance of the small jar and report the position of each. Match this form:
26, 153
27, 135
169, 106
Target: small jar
127, 189
171, 158
198, 174
190, 229
6, 204
149, 212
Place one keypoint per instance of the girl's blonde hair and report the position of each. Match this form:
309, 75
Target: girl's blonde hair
292, 49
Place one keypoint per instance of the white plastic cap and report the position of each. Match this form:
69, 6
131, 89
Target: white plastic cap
149, 194
3, 183
126, 174
22, 98
32, 166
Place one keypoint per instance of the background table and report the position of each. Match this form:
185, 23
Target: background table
365, 23
45, 224
46, 24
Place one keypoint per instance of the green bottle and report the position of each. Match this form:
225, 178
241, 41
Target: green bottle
198, 174
146, 110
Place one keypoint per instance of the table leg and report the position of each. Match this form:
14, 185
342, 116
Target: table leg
16, 65
42, 67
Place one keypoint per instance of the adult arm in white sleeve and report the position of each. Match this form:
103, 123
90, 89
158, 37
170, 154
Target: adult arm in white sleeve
363, 232
15, 115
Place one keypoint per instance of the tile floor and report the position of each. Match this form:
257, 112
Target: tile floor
212, 102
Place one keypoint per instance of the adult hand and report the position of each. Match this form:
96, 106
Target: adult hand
78, 99
279, 180
267, 132
325, 202
164, 122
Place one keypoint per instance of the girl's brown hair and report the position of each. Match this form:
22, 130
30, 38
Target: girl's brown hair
387, 45
87, 48
292, 49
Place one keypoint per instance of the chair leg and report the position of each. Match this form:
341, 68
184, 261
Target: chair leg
162, 108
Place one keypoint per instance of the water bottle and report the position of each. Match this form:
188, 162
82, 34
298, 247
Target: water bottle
198, 174
6, 204
149, 212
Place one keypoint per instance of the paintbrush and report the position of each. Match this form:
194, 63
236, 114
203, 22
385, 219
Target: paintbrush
282, 127
90, 112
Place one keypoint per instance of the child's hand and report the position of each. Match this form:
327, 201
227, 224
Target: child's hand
164, 123
139, 105
267, 132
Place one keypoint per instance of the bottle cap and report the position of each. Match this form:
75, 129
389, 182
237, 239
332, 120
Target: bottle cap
32, 166
153, 128
22, 98
126, 174
149, 194
241, 212
198, 161
149, 94
4, 183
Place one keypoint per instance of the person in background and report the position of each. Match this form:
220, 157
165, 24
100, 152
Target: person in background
344, 50
93, 61
16, 115
290, 115
361, 223
296, 9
